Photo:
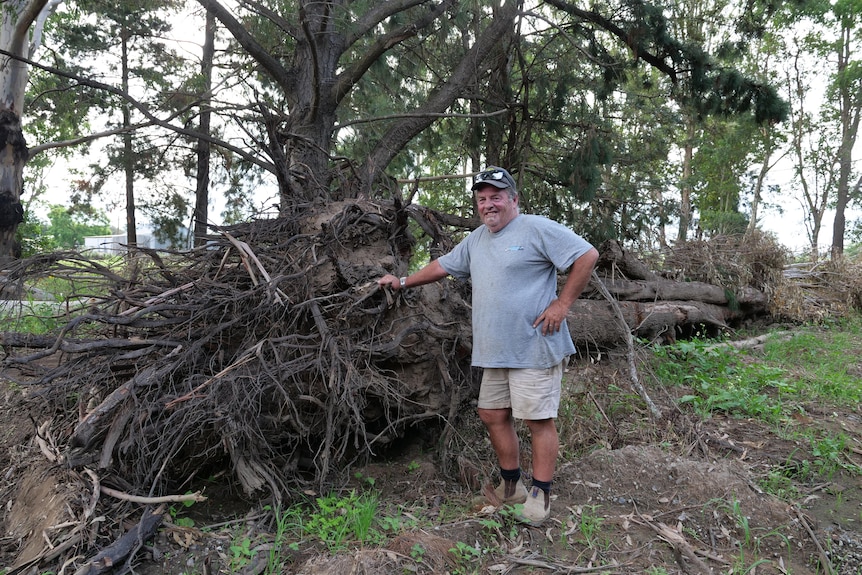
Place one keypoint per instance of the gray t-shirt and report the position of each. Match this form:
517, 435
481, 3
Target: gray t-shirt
514, 277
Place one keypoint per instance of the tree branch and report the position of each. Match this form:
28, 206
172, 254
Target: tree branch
438, 101
348, 78
380, 12
625, 36
153, 120
278, 72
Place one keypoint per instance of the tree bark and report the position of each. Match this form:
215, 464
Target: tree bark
203, 151
17, 17
593, 323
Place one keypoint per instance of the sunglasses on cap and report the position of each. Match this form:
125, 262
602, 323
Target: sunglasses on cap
489, 175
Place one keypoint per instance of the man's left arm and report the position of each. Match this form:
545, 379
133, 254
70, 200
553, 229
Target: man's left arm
552, 318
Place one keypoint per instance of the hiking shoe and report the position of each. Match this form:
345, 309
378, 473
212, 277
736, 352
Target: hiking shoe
511, 492
537, 508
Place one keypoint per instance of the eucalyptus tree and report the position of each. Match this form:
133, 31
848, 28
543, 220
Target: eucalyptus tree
600, 126
845, 95
809, 140
21, 24
333, 98
202, 174
823, 74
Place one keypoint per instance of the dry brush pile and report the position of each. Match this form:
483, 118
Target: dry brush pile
270, 352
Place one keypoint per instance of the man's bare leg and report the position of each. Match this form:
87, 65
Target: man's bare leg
501, 430
545, 446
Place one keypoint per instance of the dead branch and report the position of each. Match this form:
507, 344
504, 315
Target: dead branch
824, 558
630, 347
105, 560
195, 497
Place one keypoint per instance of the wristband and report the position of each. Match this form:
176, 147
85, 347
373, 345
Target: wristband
402, 281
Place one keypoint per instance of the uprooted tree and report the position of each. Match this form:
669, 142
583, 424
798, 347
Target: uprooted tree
273, 353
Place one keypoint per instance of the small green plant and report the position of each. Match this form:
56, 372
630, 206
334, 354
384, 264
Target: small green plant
828, 455
589, 524
741, 567
509, 518
286, 523
413, 466
241, 553
175, 511
491, 526
466, 558
417, 552
339, 520
741, 519
777, 483
369, 481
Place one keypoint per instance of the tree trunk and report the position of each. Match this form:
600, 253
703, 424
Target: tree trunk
685, 188
128, 151
13, 156
405, 130
203, 171
757, 195
850, 102
17, 17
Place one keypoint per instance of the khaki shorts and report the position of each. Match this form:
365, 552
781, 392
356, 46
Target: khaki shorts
531, 393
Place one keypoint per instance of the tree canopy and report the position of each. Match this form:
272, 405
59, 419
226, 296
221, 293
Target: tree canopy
598, 112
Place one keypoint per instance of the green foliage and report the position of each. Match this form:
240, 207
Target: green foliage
467, 558
589, 525
33, 318
721, 380
820, 360
287, 523
241, 553
583, 108
69, 226
340, 520
176, 514
778, 480
31, 238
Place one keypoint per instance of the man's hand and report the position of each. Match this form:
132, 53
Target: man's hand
389, 280
552, 318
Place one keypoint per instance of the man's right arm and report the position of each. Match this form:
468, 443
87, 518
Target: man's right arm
430, 273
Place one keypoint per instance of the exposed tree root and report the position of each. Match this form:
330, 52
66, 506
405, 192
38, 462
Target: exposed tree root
271, 350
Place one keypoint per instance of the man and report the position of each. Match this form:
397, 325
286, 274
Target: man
520, 336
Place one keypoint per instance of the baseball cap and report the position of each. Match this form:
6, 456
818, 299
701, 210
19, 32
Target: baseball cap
495, 176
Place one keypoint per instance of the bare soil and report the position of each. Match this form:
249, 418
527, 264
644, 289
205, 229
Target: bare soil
632, 495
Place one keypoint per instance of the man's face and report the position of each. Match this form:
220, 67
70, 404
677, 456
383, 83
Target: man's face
496, 207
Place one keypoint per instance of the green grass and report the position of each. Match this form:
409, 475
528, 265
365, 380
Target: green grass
723, 380
817, 366
70, 292
821, 361
340, 520
814, 366
33, 318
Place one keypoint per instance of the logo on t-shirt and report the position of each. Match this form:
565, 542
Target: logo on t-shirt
515, 249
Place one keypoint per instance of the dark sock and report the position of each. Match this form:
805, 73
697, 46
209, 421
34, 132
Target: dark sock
543, 485
510, 474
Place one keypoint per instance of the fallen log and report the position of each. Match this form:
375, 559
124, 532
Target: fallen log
662, 289
593, 323
118, 551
